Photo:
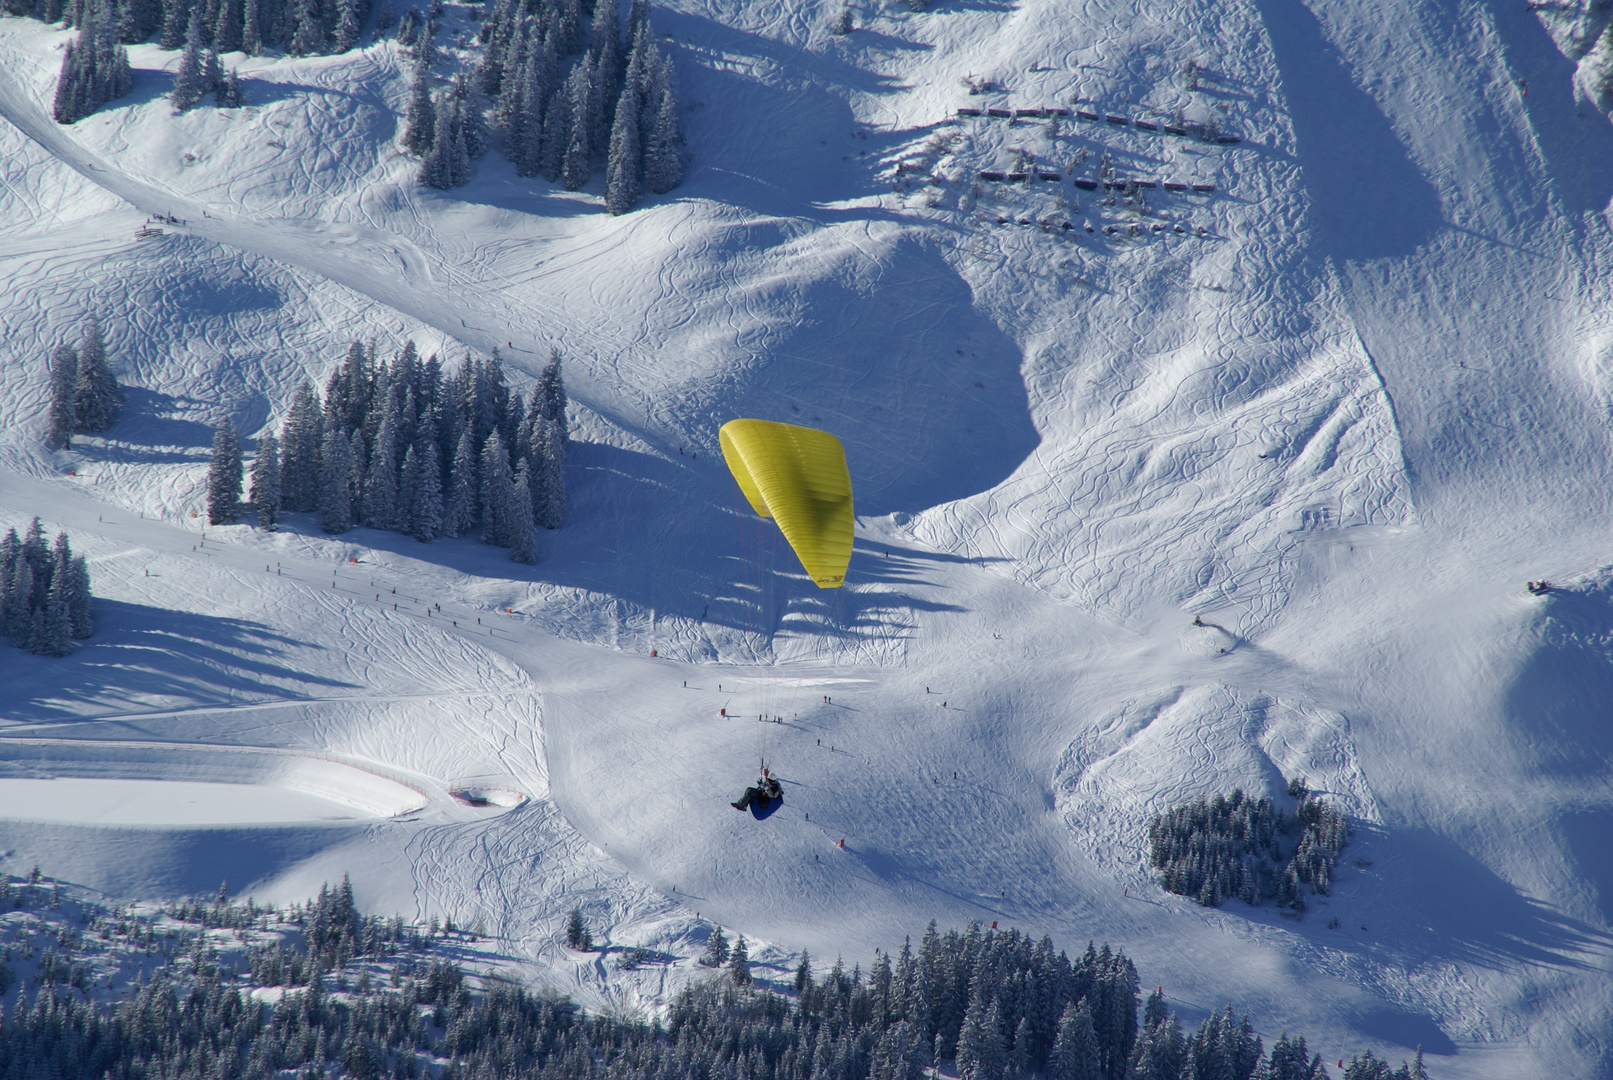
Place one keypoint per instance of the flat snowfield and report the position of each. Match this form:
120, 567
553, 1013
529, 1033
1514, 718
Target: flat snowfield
81, 801
1338, 384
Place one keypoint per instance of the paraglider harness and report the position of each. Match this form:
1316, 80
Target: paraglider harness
762, 794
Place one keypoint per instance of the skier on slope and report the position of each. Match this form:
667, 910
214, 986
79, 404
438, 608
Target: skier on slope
766, 784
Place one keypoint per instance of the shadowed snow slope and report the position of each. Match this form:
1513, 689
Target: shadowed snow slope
1341, 406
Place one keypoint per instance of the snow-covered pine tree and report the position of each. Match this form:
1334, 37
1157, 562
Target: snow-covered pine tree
425, 46
265, 493
568, 25
420, 122
230, 95
472, 119
95, 67
622, 170
496, 479
409, 27
20, 604
716, 954
251, 27
97, 400
638, 20
80, 608
523, 532
458, 154
54, 632
10, 552
523, 136
639, 43
459, 515
577, 935
511, 85
137, 20
556, 135
447, 164
35, 550
596, 105
550, 395
64, 107
63, 415
426, 513
579, 91
335, 492
663, 165
190, 80
605, 49
227, 26
551, 512
300, 438
175, 15
490, 398
358, 466
350, 15
1020, 1057
381, 478
310, 33
739, 963
224, 475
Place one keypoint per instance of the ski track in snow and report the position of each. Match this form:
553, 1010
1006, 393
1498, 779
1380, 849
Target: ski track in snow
1342, 426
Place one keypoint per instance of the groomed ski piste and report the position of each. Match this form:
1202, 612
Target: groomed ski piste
1341, 416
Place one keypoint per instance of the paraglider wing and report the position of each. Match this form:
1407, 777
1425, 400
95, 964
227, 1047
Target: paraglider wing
796, 476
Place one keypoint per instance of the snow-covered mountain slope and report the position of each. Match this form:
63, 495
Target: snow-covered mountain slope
1342, 425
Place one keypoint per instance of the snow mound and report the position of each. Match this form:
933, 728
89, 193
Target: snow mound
496, 798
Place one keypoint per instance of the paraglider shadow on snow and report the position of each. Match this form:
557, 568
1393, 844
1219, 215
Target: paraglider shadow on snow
1371, 200
141, 653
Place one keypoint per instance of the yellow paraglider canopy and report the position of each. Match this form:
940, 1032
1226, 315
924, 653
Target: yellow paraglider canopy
796, 476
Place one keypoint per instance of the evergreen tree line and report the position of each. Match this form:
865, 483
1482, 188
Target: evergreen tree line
567, 104
201, 73
405, 446
1212, 849
95, 67
44, 592
84, 394
406, 1013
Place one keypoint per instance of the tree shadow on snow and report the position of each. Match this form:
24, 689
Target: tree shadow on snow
1558, 701
737, 120
1430, 899
142, 654
152, 431
630, 535
1587, 833
886, 350
1371, 200
158, 863
1574, 137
